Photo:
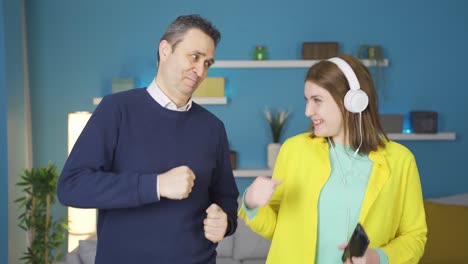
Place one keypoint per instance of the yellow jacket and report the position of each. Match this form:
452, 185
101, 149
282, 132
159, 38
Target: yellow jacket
392, 210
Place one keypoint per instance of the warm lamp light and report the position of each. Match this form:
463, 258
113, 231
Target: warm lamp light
76, 122
81, 222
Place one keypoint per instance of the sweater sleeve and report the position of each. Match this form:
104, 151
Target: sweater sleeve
408, 245
87, 179
223, 189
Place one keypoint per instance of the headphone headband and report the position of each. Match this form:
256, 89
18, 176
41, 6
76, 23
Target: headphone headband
347, 71
355, 100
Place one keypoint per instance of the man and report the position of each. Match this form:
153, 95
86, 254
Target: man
156, 164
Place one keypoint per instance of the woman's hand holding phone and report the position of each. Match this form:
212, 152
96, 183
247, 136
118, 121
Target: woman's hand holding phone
355, 251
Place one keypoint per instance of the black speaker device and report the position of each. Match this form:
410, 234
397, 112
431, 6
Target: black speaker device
424, 121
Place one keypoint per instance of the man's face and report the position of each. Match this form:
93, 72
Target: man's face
184, 67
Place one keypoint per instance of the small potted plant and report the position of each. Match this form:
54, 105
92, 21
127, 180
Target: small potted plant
276, 120
45, 234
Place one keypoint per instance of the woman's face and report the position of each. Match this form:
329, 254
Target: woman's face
324, 112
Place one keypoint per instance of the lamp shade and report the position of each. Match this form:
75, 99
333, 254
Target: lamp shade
81, 222
76, 122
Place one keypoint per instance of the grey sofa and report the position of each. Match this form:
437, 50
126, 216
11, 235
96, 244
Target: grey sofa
244, 247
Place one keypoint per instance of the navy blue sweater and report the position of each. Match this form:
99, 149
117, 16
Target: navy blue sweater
130, 139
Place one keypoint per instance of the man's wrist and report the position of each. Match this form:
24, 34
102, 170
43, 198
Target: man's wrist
228, 228
157, 187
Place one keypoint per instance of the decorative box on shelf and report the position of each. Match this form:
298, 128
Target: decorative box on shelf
210, 91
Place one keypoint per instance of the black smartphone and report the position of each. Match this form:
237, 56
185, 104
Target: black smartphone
357, 245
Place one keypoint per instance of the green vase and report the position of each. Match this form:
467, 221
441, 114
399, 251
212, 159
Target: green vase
260, 53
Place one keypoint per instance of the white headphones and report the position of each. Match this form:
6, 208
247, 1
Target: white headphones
355, 100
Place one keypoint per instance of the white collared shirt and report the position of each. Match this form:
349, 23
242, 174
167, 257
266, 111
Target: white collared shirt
161, 98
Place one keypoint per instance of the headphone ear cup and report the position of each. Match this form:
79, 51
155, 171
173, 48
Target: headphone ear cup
356, 101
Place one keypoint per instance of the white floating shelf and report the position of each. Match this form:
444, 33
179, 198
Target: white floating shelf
414, 136
210, 100
242, 173
281, 63
198, 100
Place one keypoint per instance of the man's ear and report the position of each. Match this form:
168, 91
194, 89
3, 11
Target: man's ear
165, 49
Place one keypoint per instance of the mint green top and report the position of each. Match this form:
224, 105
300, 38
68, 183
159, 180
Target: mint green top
333, 203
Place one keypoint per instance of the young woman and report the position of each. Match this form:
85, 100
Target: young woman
343, 173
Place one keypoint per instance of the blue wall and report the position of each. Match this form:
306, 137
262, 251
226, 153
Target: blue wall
3, 147
75, 48
16, 120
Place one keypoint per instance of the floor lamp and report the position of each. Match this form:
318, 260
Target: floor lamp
81, 222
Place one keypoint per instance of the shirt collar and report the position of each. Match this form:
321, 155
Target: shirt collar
162, 99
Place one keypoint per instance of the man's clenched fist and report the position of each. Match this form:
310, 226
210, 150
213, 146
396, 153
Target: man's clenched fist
215, 223
177, 183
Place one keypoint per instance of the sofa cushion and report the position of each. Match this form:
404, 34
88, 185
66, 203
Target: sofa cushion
227, 261
224, 248
457, 199
72, 258
87, 251
254, 261
249, 245
447, 235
